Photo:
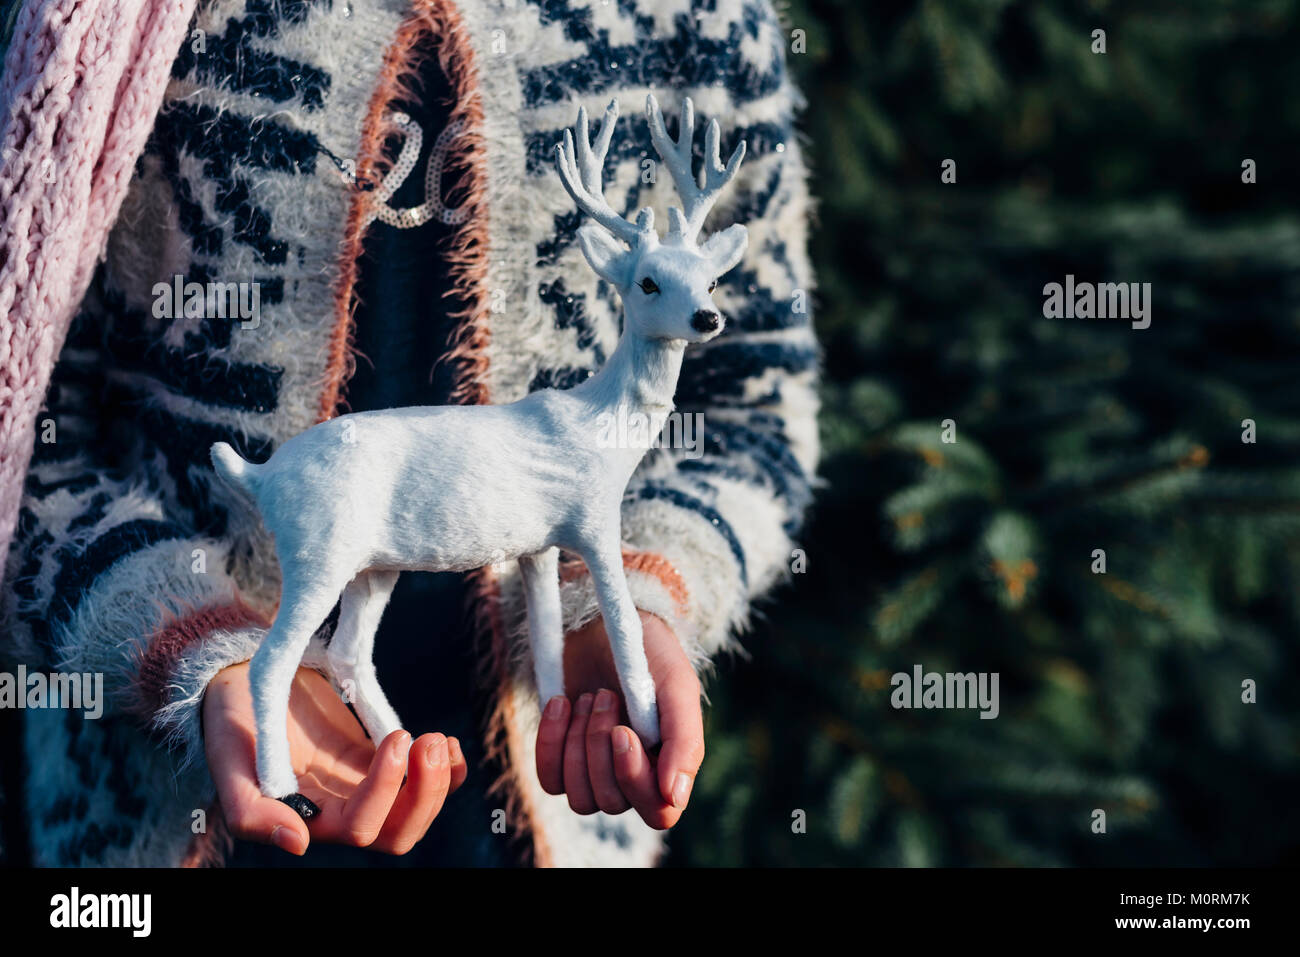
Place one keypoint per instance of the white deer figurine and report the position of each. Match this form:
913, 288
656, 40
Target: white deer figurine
354, 501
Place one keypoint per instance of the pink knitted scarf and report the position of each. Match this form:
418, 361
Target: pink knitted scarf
83, 80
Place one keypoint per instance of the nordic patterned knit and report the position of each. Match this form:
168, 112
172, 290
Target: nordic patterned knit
267, 163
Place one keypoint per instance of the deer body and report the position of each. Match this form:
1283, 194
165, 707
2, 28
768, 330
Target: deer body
415, 486
354, 501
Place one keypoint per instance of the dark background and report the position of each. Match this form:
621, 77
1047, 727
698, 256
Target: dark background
1119, 691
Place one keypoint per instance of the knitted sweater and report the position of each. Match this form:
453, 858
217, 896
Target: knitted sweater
131, 560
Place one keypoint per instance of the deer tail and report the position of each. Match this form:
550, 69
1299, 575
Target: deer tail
233, 469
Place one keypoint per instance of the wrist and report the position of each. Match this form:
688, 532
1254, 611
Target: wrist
181, 663
657, 590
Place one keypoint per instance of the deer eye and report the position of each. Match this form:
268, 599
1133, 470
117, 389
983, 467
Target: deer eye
648, 286
713, 285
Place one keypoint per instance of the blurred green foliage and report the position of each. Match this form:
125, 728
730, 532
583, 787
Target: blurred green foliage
1120, 691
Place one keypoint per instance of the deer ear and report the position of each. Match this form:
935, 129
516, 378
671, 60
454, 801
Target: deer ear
726, 248
606, 255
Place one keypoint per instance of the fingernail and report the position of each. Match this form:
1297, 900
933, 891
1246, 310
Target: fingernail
584, 705
604, 700
622, 740
402, 748
681, 789
285, 839
555, 708
454, 752
437, 755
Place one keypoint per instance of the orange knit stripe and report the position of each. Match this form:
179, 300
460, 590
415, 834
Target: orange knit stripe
176, 636
649, 563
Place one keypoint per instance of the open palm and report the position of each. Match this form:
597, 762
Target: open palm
359, 788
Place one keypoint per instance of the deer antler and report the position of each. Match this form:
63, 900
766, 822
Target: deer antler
580, 172
698, 196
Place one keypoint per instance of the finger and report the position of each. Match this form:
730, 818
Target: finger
428, 780
681, 724
576, 784
600, 754
636, 779
459, 766
551, 732
250, 815
368, 807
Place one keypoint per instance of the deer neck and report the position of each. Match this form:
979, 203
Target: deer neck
641, 376
631, 397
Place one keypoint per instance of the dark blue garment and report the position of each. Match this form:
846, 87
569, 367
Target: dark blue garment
423, 650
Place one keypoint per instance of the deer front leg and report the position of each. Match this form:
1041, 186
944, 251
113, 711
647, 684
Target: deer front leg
623, 626
541, 573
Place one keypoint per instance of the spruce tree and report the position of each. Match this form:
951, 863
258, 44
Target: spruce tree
1114, 527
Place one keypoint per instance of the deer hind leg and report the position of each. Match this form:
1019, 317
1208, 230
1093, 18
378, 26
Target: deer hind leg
623, 625
304, 605
541, 573
351, 651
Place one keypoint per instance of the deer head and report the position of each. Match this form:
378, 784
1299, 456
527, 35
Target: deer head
666, 285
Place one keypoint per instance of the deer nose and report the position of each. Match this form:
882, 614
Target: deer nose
706, 321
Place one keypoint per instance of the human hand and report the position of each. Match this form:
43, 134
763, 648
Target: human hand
359, 788
585, 752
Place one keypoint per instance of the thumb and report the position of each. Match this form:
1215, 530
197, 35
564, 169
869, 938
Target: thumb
681, 722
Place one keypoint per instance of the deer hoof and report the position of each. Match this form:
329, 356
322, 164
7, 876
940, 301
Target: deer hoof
305, 808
